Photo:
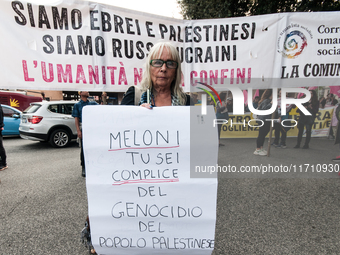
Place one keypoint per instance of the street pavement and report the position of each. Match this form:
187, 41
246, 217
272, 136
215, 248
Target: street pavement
43, 200
282, 213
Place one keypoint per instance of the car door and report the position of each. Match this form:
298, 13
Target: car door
11, 121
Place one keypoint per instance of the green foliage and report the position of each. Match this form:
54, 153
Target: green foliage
317, 5
272, 6
203, 9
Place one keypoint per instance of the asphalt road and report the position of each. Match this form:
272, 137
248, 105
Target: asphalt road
43, 201
281, 213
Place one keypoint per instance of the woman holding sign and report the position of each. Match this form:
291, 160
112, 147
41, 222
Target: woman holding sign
160, 86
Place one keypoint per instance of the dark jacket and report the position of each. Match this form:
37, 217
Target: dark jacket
129, 97
312, 108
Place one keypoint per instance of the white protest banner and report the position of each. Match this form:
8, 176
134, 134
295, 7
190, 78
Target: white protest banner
79, 45
74, 45
307, 50
140, 194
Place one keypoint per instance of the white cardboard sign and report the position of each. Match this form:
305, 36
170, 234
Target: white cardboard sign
140, 194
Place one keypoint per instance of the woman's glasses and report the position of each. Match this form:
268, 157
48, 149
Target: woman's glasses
159, 63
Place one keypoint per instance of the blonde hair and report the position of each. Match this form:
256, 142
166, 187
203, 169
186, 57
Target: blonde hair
155, 53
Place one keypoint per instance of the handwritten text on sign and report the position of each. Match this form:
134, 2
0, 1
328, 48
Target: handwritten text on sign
141, 197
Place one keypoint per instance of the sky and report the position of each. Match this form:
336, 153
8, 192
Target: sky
167, 8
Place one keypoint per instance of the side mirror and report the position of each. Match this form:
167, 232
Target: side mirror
17, 116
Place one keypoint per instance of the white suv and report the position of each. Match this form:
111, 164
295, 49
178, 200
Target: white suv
49, 121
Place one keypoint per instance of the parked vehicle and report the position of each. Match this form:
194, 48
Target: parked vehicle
11, 120
17, 100
49, 121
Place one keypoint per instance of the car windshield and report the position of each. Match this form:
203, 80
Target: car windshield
32, 108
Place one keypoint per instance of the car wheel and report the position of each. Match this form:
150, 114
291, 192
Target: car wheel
59, 138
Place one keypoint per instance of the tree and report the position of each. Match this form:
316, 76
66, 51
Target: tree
202, 9
317, 5
259, 7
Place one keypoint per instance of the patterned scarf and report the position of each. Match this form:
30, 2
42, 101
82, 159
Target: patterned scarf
144, 98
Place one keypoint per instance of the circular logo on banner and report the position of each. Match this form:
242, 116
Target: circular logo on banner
293, 44
292, 40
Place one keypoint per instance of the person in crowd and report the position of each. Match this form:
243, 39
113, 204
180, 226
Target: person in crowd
210, 101
307, 120
103, 98
246, 108
221, 113
334, 124
256, 102
331, 99
279, 129
337, 132
194, 97
77, 114
131, 96
328, 99
264, 104
322, 102
230, 104
3, 162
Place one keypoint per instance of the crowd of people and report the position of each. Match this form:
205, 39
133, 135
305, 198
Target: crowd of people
158, 96
305, 122
160, 86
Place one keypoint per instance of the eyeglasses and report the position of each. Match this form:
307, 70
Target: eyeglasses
159, 63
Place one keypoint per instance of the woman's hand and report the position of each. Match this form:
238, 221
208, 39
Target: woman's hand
149, 106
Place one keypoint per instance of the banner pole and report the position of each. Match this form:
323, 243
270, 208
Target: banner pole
270, 136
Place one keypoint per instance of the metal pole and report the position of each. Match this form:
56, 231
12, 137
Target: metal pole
270, 136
